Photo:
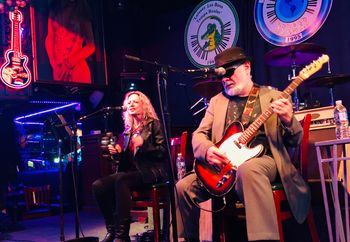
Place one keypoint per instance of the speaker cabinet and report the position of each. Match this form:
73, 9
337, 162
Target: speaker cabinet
93, 166
315, 136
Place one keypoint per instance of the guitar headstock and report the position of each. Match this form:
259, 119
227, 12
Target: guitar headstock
316, 65
16, 16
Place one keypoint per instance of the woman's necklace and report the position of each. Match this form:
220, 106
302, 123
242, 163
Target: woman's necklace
137, 128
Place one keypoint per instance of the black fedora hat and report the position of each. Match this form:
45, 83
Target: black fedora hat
230, 57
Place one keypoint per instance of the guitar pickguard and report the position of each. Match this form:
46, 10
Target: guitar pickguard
239, 153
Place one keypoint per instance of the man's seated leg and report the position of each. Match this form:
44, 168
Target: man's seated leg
189, 193
253, 186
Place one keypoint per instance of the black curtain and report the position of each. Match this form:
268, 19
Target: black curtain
158, 34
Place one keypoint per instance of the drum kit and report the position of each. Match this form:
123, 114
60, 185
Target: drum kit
205, 86
293, 56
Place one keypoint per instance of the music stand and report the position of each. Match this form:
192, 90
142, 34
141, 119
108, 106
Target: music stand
61, 132
67, 142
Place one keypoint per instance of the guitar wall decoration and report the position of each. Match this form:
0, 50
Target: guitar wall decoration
14, 73
235, 140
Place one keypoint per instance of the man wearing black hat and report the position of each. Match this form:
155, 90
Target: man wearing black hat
253, 176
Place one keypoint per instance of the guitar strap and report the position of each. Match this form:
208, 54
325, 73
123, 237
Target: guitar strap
249, 106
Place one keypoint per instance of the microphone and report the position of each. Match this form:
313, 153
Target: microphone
218, 71
133, 58
117, 108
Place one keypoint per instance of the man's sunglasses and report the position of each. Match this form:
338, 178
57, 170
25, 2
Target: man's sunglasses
229, 71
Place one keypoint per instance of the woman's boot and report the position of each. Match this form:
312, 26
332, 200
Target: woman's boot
110, 236
122, 231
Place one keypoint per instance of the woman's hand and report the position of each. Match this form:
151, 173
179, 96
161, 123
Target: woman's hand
114, 149
65, 70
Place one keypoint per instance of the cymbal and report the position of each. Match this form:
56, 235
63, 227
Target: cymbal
300, 54
327, 80
206, 87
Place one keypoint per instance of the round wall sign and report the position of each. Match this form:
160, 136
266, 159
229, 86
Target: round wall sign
288, 22
211, 28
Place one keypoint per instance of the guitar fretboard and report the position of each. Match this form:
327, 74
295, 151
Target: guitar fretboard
16, 19
305, 73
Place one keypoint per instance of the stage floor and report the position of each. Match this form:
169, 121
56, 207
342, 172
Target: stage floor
48, 229
92, 225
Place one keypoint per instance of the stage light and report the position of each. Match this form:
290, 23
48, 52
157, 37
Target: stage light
120, 4
17, 119
131, 81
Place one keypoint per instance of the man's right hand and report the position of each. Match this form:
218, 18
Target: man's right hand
216, 157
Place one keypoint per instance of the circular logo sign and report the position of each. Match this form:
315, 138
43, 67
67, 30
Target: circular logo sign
288, 22
211, 28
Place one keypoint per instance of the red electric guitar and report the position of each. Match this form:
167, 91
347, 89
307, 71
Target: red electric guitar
14, 72
234, 143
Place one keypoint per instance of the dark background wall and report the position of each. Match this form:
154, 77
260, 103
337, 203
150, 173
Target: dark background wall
154, 30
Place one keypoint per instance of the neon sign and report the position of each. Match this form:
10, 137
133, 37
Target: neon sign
14, 73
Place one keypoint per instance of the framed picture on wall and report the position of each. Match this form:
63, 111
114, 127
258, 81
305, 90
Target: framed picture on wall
68, 42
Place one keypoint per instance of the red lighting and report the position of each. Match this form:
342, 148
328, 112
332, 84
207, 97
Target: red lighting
14, 73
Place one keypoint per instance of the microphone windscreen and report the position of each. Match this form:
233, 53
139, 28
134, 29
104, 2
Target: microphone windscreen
220, 71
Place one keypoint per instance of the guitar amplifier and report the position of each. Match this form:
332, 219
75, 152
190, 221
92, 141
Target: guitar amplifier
321, 118
322, 128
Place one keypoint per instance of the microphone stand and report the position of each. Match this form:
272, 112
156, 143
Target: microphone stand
59, 154
60, 177
162, 74
74, 139
88, 116
61, 190
74, 147
75, 179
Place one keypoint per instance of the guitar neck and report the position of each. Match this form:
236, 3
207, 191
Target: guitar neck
16, 19
305, 73
249, 133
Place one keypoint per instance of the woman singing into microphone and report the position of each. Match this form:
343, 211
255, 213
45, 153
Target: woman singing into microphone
143, 162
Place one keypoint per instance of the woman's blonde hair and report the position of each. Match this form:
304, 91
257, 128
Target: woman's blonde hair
148, 110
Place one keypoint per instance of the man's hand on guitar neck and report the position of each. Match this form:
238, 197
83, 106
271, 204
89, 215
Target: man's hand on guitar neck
284, 109
216, 157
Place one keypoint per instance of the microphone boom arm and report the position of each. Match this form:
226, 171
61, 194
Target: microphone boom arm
169, 67
102, 110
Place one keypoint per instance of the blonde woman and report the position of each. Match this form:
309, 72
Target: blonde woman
142, 149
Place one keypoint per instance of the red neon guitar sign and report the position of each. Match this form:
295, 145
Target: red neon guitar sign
14, 72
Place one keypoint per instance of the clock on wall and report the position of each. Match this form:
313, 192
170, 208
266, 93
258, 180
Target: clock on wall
288, 22
211, 28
